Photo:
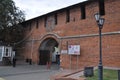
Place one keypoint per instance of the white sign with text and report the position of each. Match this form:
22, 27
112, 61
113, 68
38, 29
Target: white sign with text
74, 49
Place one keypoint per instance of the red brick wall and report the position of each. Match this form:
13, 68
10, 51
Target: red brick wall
89, 54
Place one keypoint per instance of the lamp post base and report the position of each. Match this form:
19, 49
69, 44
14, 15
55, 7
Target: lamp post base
100, 72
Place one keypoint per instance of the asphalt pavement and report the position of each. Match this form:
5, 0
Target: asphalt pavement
28, 72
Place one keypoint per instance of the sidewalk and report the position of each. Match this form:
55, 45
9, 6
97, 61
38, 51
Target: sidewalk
24, 69
68, 75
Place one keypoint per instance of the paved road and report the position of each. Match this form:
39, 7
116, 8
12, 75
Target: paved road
27, 72
31, 76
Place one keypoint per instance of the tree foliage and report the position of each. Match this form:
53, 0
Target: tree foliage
10, 17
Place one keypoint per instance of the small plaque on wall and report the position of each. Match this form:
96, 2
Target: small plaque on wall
64, 51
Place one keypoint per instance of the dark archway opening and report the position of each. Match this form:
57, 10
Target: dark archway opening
48, 52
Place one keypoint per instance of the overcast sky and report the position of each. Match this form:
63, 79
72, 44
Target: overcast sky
34, 8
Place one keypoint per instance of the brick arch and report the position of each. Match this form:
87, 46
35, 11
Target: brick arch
50, 35
47, 45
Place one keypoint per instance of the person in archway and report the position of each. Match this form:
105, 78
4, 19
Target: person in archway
14, 62
58, 59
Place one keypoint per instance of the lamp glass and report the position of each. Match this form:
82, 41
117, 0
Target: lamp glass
101, 21
97, 17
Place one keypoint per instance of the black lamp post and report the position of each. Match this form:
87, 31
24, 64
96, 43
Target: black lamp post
100, 22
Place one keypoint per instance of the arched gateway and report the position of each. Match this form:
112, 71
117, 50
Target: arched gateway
48, 51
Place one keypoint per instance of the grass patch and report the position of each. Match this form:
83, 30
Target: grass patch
107, 75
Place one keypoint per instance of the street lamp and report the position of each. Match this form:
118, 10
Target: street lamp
100, 22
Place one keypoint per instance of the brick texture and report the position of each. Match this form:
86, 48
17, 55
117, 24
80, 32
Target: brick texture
89, 46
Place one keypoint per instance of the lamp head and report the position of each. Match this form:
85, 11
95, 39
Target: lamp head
97, 17
101, 22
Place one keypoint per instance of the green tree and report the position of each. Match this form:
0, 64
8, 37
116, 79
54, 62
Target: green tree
10, 17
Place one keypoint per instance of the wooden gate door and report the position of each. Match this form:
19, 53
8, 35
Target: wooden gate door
44, 57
